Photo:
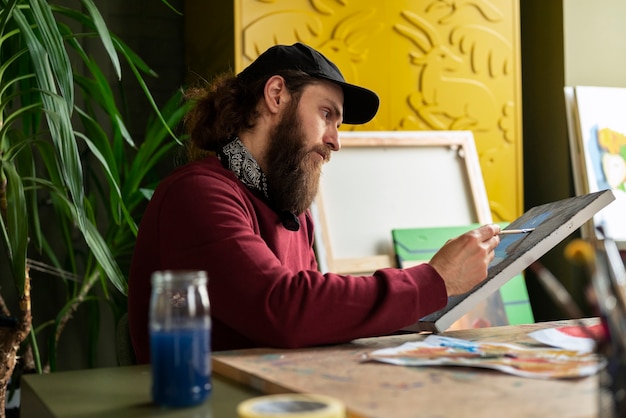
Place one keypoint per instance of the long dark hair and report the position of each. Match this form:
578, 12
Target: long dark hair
228, 106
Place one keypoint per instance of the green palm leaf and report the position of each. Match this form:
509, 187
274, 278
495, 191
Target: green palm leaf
104, 35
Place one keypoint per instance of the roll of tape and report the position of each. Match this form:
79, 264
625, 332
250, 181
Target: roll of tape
292, 406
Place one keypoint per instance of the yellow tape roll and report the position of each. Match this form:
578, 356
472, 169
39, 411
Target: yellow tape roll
292, 406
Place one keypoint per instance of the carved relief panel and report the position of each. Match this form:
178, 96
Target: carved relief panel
436, 64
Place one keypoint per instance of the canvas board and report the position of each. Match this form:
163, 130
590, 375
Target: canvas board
597, 131
509, 306
383, 180
575, 144
553, 222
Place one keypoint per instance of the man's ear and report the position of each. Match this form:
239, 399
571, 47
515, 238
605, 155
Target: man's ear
275, 93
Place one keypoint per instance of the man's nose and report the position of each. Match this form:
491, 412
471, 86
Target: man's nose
332, 140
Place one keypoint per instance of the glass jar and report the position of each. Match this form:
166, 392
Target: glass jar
180, 338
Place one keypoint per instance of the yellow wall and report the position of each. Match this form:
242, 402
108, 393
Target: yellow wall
436, 66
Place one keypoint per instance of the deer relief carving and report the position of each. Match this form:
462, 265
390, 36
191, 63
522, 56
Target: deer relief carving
487, 9
343, 42
282, 27
324, 8
346, 46
445, 99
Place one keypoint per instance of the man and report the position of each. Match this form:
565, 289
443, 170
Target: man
239, 210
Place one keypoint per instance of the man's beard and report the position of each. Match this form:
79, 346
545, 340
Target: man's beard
293, 171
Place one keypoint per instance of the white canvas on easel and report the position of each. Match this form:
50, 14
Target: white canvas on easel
597, 131
383, 180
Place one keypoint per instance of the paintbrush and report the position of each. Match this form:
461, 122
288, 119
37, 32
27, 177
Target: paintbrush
516, 231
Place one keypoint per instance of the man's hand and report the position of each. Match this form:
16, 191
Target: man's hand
462, 262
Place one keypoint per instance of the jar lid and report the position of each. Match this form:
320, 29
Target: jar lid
177, 277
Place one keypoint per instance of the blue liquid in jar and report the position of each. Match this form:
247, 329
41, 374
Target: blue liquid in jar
181, 366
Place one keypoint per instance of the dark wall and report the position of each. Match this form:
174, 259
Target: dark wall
547, 170
155, 33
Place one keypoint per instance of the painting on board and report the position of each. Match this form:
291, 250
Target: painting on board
598, 139
509, 306
551, 223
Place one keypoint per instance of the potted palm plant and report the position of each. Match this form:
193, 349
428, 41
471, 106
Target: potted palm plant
51, 122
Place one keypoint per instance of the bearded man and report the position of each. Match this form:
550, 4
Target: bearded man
240, 211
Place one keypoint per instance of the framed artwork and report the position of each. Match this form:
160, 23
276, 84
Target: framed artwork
384, 180
597, 132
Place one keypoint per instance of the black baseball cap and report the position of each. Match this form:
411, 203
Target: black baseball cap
359, 104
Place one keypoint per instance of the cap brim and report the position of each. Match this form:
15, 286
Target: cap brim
360, 105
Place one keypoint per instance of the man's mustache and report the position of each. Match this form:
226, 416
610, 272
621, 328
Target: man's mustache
324, 151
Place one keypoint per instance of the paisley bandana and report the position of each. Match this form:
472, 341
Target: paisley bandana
236, 157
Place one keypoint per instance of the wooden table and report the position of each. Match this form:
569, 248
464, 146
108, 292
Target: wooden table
117, 392
368, 389
379, 390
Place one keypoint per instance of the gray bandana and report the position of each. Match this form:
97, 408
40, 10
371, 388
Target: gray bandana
236, 157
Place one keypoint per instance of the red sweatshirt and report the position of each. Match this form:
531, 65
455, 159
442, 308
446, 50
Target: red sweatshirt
264, 286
